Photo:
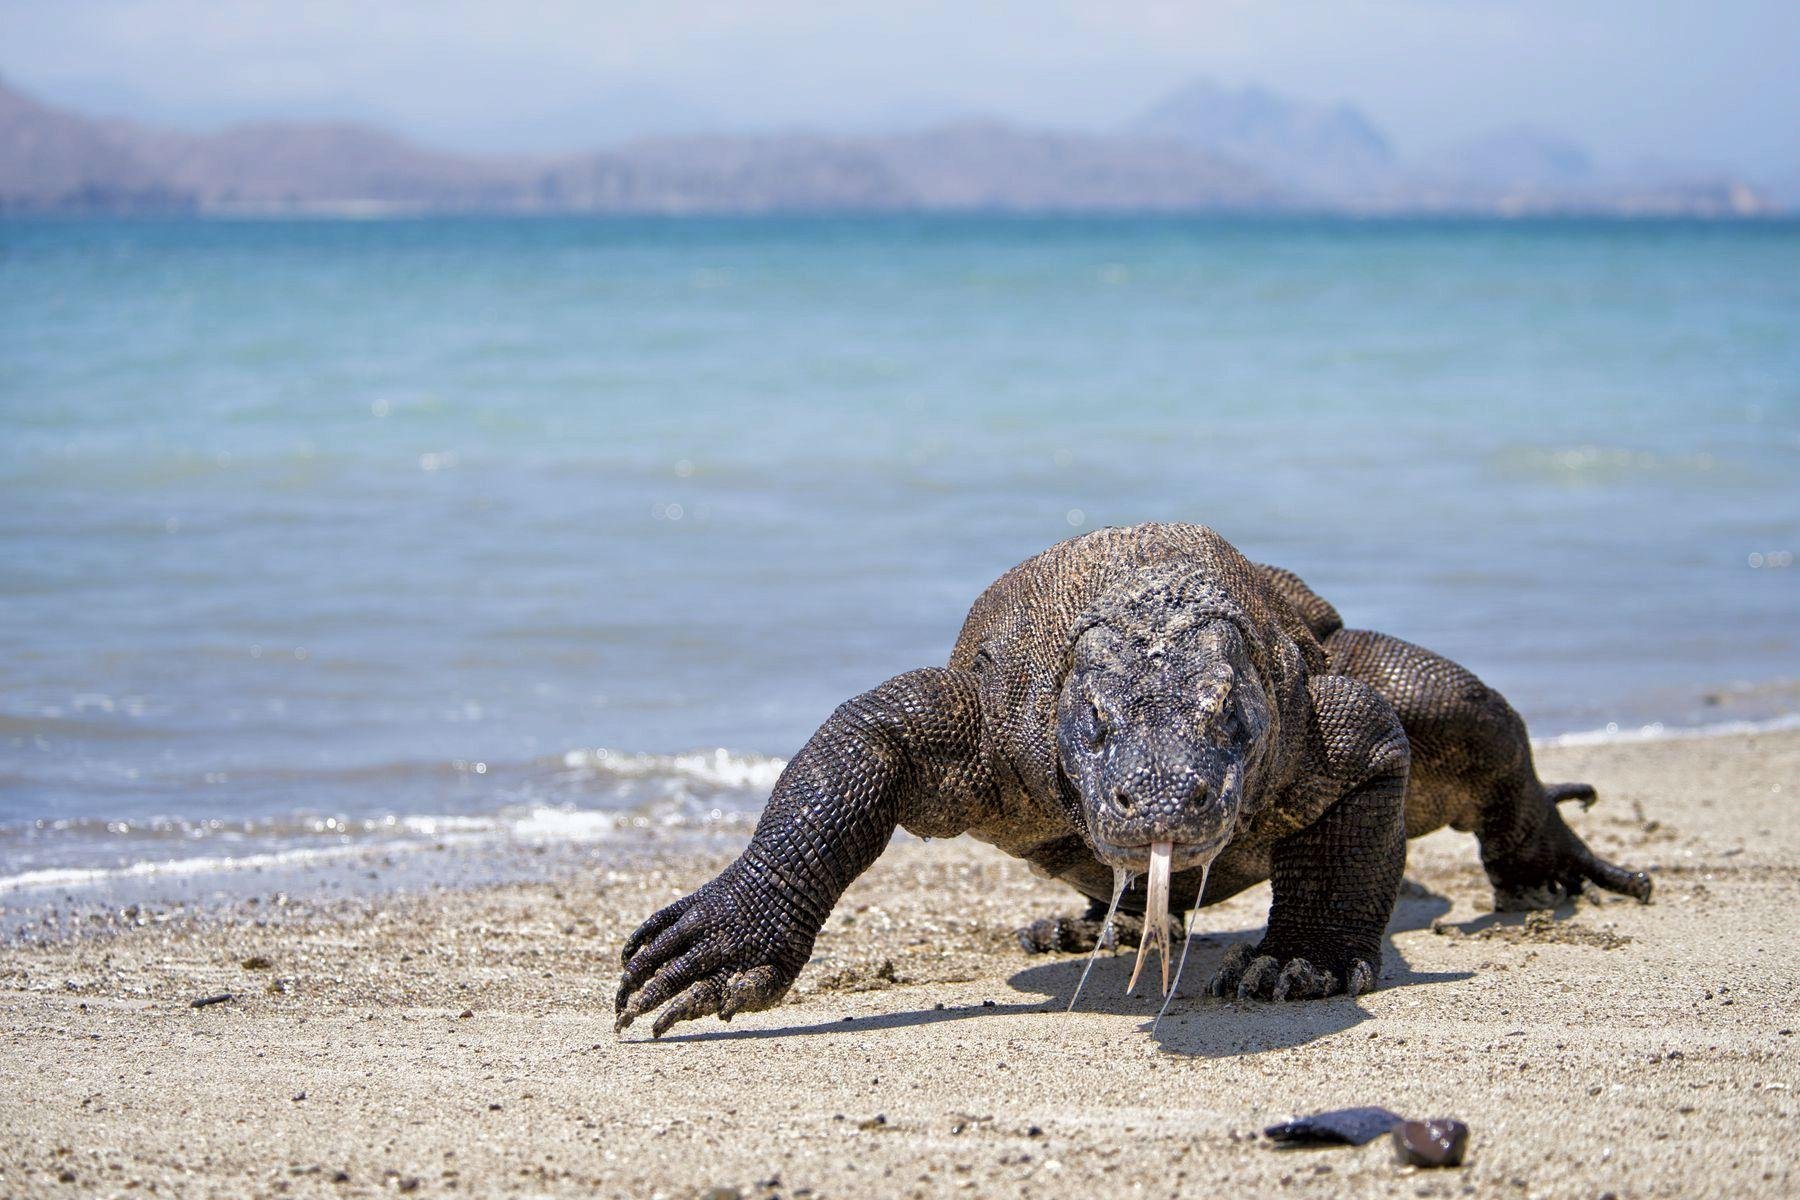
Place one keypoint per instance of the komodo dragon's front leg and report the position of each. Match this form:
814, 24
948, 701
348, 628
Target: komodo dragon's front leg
908, 751
1334, 882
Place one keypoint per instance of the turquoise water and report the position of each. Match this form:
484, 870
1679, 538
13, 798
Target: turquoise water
324, 531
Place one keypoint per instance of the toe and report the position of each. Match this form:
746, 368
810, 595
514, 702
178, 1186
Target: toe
1231, 970
1259, 978
1300, 980
671, 980
751, 991
1614, 878
697, 1000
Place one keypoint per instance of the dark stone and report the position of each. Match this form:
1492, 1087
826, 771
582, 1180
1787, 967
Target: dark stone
1440, 1142
1343, 1126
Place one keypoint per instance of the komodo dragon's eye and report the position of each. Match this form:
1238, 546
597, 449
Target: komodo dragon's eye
1096, 726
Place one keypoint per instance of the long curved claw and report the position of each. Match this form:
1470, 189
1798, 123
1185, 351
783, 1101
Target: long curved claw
725, 949
699, 1000
658, 921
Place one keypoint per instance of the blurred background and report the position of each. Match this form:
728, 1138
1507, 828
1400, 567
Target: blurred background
465, 422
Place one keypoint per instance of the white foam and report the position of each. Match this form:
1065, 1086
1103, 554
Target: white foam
438, 826
563, 825
714, 768
538, 825
53, 877
1656, 731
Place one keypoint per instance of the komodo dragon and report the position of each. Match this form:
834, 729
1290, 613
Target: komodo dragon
1140, 700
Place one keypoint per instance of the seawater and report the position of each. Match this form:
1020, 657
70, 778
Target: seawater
323, 533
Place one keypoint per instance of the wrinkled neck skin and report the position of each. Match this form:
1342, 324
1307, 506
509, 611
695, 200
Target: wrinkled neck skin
1170, 725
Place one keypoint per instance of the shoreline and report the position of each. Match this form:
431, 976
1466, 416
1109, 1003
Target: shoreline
474, 849
460, 1042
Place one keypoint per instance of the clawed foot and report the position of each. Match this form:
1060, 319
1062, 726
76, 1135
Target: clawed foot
1557, 865
1078, 935
1247, 973
726, 949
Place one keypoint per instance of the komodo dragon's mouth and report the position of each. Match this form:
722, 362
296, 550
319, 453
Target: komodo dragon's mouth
1156, 916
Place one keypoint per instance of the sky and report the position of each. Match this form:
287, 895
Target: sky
1715, 84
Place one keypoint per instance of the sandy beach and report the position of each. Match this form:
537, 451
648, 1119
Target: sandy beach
462, 1043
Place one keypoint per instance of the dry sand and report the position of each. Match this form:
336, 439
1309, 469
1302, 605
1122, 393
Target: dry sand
463, 1043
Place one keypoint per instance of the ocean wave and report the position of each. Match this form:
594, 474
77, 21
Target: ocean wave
214, 864
581, 796
718, 768
537, 825
1656, 731
713, 789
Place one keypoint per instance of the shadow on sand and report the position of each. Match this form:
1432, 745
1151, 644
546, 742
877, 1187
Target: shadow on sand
1196, 1025
1200, 1026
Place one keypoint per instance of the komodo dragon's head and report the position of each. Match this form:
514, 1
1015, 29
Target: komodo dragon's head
1165, 721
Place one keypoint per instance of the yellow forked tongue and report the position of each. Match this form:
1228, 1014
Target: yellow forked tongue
1156, 915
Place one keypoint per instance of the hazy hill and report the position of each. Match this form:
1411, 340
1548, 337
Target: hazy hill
1517, 157
752, 174
1335, 158
992, 166
1205, 148
55, 160
281, 165
1327, 150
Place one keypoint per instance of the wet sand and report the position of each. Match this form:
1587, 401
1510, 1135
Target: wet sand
462, 1043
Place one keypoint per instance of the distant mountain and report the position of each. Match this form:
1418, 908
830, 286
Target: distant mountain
1334, 158
1331, 151
970, 166
988, 165
1205, 149
1516, 157
976, 166
297, 166
750, 174
1524, 171
57, 161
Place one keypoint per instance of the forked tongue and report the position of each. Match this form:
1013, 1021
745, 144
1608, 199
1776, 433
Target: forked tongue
1186, 941
1156, 915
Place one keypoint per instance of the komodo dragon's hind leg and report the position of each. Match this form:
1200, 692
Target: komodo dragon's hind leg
1534, 859
1472, 768
1471, 763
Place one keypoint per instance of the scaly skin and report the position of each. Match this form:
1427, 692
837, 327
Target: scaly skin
1471, 769
1129, 686
1471, 764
